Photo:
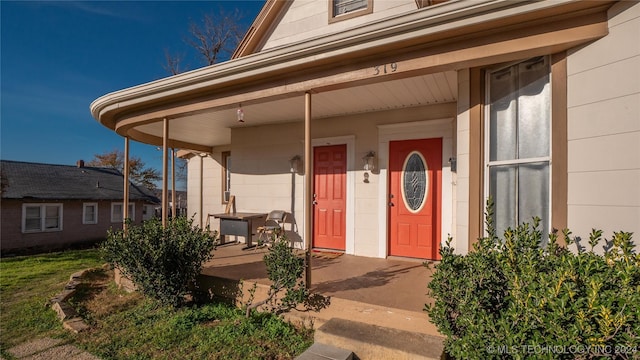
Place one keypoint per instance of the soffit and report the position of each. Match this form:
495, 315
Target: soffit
213, 127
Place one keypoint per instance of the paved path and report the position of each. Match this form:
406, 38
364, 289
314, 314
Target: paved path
47, 348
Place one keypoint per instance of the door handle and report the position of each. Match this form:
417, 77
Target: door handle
391, 204
315, 202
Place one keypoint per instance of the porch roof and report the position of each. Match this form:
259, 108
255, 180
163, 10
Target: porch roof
399, 62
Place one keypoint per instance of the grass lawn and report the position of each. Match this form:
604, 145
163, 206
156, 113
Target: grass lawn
128, 326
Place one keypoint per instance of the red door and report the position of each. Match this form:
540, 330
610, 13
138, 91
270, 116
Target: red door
415, 173
329, 185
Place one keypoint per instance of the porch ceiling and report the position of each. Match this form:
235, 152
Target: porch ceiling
212, 127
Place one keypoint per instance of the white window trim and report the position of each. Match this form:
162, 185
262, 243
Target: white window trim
132, 212
488, 163
84, 212
42, 207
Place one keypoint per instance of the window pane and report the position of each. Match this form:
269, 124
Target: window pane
32, 212
502, 188
414, 182
52, 218
32, 224
32, 221
534, 104
503, 115
90, 214
345, 6
533, 194
116, 212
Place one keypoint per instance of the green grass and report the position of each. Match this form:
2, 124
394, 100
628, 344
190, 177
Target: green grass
128, 326
27, 283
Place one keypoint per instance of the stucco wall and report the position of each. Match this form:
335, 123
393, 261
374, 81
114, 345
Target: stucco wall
604, 128
262, 181
306, 19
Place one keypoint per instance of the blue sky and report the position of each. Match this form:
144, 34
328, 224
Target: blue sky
57, 57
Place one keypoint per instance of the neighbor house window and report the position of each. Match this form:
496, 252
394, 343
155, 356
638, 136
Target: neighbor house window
346, 9
116, 212
90, 213
226, 176
517, 146
41, 217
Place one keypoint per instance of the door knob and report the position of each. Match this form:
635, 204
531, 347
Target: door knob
315, 202
391, 204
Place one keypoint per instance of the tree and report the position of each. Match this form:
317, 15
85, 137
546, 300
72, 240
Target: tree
138, 173
214, 37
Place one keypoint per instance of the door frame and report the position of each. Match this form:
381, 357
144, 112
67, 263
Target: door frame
349, 141
438, 128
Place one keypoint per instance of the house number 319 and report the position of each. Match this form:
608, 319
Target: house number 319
385, 69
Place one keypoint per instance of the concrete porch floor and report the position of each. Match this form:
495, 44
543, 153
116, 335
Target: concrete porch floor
387, 292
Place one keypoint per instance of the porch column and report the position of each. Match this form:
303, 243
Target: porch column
165, 153
308, 188
201, 191
125, 190
173, 182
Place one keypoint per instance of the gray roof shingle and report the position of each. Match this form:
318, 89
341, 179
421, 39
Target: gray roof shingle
24, 180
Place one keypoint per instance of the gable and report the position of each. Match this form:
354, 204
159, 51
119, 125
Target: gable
282, 23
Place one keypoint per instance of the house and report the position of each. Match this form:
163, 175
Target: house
47, 206
383, 126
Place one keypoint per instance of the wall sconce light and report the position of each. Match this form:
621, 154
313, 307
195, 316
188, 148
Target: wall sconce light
454, 164
240, 113
295, 163
368, 161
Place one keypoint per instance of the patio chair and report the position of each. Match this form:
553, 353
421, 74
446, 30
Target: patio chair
273, 226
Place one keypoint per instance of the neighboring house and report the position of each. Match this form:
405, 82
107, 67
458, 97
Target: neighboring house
48, 206
181, 203
410, 114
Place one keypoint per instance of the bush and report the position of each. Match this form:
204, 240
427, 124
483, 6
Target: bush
516, 298
285, 270
162, 262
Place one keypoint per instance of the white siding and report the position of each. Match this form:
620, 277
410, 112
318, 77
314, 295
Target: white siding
307, 19
261, 178
604, 128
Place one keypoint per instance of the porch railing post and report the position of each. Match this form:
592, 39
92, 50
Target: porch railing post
308, 198
173, 182
125, 190
165, 153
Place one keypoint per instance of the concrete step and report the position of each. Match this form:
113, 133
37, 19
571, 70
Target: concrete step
369, 341
319, 351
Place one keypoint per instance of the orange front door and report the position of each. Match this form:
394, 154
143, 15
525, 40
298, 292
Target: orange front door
329, 185
415, 173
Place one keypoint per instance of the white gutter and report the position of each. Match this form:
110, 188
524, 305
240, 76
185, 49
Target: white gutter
445, 17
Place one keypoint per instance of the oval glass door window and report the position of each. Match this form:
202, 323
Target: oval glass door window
414, 181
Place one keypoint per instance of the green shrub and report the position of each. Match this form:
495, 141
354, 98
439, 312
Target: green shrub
162, 262
285, 270
518, 298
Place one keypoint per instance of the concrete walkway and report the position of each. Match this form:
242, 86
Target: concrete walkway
47, 348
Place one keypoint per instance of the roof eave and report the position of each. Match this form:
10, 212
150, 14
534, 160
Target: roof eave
448, 16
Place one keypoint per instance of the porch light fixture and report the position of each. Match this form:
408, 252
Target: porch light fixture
295, 163
240, 114
368, 161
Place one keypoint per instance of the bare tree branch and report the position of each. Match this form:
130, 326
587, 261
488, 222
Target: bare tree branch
216, 36
172, 62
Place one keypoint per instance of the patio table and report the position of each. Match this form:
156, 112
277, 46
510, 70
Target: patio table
239, 224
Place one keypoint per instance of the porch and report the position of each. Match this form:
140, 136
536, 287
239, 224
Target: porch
389, 293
